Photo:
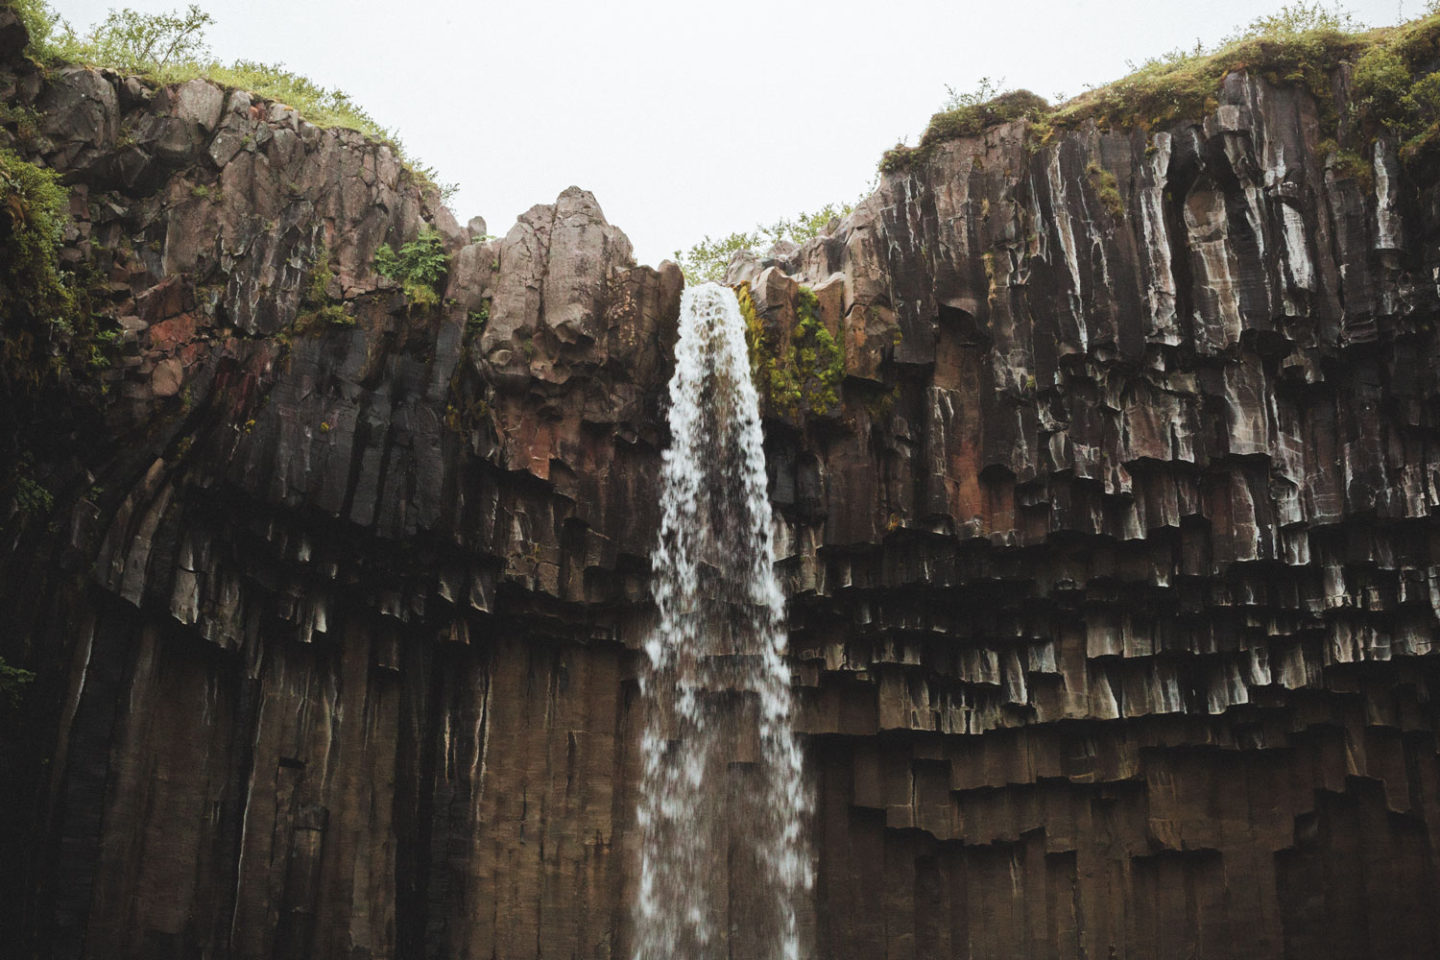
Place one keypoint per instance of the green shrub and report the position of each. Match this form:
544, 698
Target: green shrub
1381, 82
134, 42
707, 260
34, 208
967, 114
1397, 92
418, 267
478, 319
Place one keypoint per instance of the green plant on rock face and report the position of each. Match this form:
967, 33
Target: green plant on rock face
1301, 43
319, 308
13, 684
24, 121
30, 496
1396, 92
1346, 164
966, 114
1106, 188
38, 302
418, 267
819, 360
477, 319
802, 376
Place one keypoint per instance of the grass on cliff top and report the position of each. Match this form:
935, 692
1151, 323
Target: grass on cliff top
167, 48
1300, 44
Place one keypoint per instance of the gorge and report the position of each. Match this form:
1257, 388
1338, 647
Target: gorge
1102, 467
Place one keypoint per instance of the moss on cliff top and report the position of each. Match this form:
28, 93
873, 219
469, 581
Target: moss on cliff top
169, 48
1301, 45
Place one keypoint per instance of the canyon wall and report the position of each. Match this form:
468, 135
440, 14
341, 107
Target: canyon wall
1113, 579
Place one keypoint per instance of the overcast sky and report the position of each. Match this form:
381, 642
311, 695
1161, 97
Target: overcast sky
686, 118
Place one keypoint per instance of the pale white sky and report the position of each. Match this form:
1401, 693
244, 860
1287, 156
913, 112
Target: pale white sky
688, 119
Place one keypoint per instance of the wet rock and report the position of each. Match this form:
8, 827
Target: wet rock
1112, 584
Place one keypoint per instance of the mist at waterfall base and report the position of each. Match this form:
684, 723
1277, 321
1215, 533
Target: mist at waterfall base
724, 861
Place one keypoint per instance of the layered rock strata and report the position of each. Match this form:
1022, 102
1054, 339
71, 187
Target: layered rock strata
1113, 579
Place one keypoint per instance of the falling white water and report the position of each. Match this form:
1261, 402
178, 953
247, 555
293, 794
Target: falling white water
723, 856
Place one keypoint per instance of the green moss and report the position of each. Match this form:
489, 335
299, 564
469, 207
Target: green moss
1394, 84
166, 48
1106, 188
802, 376
464, 417
966, 115
319, 310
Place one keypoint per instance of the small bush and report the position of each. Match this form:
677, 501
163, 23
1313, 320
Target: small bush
1397, 92
1381, 81
135, 42
965, 114
418, 267
707, 260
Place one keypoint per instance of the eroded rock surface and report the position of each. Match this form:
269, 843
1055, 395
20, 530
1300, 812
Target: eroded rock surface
1113, 583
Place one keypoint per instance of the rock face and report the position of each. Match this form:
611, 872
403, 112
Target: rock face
1114, 583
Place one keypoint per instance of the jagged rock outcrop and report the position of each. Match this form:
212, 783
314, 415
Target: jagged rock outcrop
1113, 590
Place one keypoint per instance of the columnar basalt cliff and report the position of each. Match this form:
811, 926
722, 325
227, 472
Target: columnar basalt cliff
1113, 579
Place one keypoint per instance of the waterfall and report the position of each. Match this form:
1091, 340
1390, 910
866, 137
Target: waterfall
723, 859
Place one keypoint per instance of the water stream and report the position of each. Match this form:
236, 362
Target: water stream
724, 860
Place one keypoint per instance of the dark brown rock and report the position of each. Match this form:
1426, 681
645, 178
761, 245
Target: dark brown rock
1113, 578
